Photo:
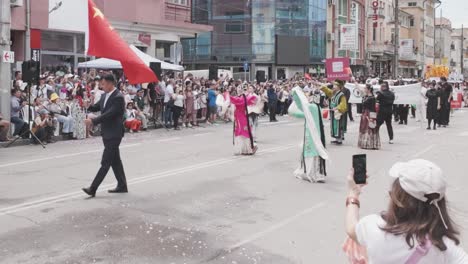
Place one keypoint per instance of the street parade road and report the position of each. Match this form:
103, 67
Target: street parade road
192, 201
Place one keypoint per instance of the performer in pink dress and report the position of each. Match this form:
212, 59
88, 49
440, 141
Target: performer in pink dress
243, 139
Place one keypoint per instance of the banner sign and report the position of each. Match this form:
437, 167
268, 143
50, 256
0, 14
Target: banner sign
406, 51
348, 37
405, 94
338, 68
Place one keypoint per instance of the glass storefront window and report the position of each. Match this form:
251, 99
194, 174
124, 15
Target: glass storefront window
57, 41
80, 43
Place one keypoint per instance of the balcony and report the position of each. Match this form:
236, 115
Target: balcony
380, 49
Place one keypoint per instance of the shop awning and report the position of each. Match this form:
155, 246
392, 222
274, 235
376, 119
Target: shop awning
104, 63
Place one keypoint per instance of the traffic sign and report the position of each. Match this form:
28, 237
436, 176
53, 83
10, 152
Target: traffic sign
246, 66
8, 57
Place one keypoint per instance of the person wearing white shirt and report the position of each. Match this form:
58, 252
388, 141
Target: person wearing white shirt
168, 103
178, 107
416, 228
42, 91
254, 111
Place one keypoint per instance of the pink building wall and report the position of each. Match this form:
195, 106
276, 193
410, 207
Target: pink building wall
39, 16
152, 12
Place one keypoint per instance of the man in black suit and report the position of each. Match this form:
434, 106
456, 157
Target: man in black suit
112, 107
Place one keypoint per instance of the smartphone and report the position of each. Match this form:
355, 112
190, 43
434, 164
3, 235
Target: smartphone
360, 168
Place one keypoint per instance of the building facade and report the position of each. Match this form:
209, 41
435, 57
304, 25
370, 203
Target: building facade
443, 37
154, 26
423, 26
459, 51
346, 13
245, 32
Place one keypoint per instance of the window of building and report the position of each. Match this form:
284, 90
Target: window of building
374, 34
411, 22
163, 49
412, 4
179, 2
343, 7
452, 46
234, 27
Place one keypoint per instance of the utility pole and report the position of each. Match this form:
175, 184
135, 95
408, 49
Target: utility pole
397, 40
462, 66
435, 17
27, 41
5, 68
442, 41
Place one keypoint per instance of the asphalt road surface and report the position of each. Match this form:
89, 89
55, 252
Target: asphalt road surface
192, 201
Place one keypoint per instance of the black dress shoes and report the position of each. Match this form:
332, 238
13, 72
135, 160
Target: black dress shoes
89, 192
119, 190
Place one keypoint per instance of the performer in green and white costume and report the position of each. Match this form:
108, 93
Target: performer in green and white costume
338, 110
313, 154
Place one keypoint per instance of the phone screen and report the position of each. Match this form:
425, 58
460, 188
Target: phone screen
360, 170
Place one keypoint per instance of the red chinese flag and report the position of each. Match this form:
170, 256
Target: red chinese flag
105, 42
307, 76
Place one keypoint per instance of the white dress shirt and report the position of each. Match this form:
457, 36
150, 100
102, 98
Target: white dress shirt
107, 96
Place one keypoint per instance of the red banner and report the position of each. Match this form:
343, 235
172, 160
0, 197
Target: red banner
338, 69
36, 39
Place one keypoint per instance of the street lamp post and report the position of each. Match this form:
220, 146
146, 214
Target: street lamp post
435, 9
397, 39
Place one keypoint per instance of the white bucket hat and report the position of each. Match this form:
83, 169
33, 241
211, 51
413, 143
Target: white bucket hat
420, 178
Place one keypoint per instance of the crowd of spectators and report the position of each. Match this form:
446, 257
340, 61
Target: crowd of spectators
58, 104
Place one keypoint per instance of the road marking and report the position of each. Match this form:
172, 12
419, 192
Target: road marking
203, 134
422, 152
62, 156
275, 227
295, 124
276, 123
168, 139
142, 179
464, 134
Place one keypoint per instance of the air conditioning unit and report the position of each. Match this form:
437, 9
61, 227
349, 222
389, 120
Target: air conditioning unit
16, 3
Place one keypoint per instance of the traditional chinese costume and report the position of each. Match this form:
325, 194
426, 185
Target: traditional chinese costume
314, 154
243, 138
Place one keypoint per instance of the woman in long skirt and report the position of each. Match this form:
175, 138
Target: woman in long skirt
433, 107
313, 154
243, 138
369, 137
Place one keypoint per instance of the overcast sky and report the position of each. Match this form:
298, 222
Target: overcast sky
456, 11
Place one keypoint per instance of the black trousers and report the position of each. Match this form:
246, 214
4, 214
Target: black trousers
350, 111
359, 108
403, 111
387, 118
176, 110
272, 110
111, 158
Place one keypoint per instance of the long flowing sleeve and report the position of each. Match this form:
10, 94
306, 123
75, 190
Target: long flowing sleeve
296, 109
237, 101
328, 92
295, 112
343, 106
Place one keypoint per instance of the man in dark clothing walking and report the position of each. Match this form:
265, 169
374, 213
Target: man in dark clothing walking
112, 107
385, 98
445, 99
272, 102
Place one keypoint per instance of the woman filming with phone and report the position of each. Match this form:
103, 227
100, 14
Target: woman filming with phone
415, 229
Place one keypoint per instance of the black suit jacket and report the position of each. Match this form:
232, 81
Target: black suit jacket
112, 115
